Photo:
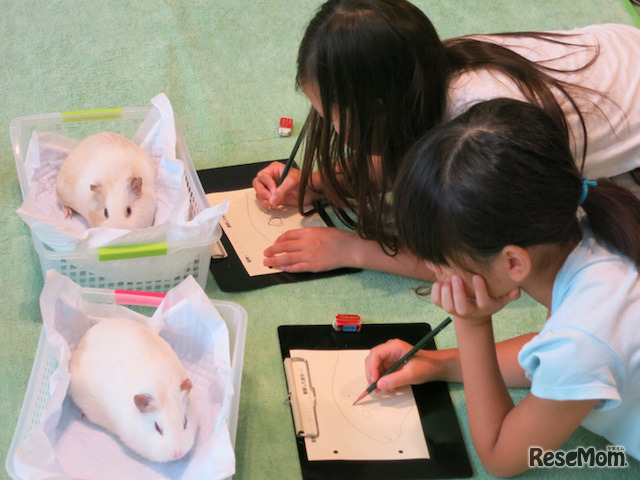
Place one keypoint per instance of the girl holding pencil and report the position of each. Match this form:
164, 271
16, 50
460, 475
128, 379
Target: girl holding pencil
379, 77
494, 204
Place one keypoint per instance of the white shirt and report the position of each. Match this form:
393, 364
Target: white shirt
589, 348
614, 141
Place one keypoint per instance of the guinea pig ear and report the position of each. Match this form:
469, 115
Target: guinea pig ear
186, 386
145, 403
135, 187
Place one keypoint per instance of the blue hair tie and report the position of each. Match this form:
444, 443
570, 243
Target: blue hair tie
585, 188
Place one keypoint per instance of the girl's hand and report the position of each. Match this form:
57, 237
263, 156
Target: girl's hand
422, 367
451, 296
312, 249
270, 195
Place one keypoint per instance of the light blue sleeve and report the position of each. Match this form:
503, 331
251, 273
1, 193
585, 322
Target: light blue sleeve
570, 364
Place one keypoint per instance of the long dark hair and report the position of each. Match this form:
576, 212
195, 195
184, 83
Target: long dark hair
500, 174
381, 64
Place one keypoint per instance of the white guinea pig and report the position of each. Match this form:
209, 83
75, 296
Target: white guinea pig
109, 181
127, 379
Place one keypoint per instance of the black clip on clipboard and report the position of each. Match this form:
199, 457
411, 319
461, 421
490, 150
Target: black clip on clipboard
448, 454
228, 271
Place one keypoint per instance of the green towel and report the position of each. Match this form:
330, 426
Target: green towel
228, 68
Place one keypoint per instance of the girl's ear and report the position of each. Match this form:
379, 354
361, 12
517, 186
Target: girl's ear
516, 262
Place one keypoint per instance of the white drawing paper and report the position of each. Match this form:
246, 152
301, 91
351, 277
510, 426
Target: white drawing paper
382, 426
251, 228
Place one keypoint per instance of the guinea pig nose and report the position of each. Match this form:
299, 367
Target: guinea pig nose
177, 453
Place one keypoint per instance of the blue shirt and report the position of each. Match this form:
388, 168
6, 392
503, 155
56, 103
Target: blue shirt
589, 348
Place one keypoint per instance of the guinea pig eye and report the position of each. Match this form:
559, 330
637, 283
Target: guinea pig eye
128, 211
106, 213
158, 429
184, 425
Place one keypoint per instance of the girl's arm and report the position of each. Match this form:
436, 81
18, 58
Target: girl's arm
502, 433
368, 255
319, 249
439, 365
507, 357
323, 249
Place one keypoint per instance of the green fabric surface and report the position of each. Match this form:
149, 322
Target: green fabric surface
228, 68
634, 11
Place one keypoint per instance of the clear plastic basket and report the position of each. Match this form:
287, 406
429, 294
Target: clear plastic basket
153, 268
45, 364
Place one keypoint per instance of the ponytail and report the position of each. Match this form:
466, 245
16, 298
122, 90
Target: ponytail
614, 217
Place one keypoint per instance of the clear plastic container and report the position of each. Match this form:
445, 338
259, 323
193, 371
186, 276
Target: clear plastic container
155, 268
45, 364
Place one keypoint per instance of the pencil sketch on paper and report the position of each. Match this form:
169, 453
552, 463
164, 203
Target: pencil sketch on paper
381, 427
269, 223
251, 228
275, 221
346, 389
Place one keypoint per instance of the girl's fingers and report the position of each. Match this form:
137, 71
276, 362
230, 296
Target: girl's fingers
459, 296
483, 300
382, 356
399, 378
283, 246
295, 234
262, 192
268, 177
281, 192
287, 242
446, 297
436, 294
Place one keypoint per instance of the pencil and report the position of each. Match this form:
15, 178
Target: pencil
287, 165
406, 357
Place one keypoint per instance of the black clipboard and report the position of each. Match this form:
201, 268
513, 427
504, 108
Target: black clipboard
229, 273
448, 453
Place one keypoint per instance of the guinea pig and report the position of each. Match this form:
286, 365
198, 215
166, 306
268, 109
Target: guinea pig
109, 181
127, 379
